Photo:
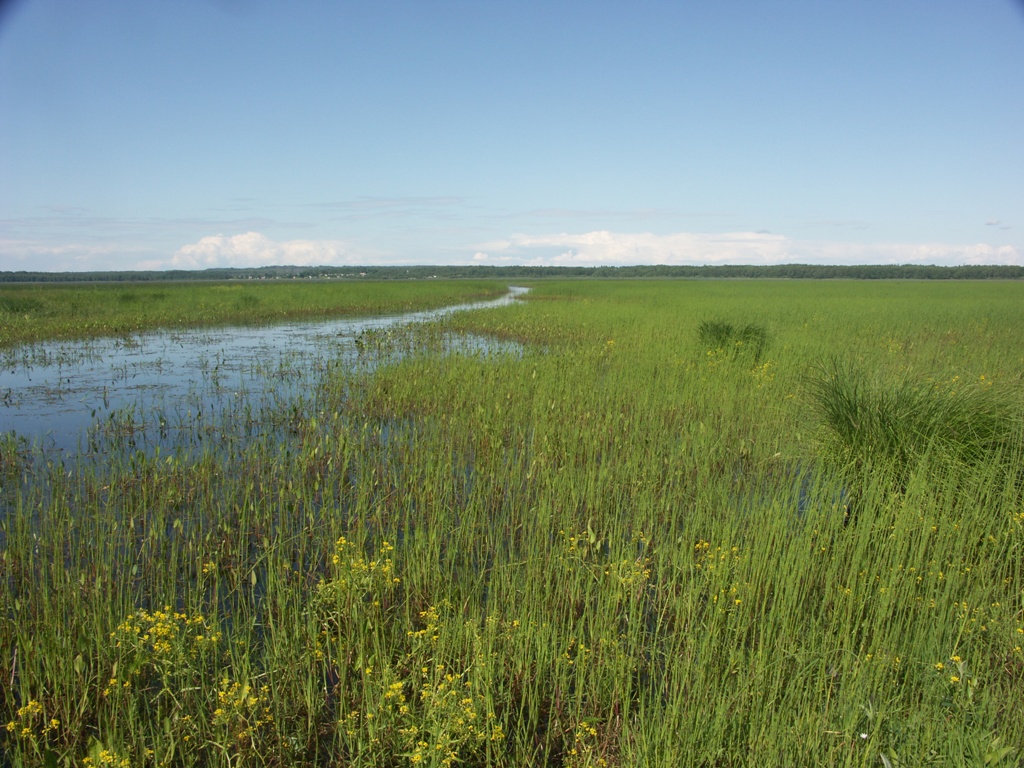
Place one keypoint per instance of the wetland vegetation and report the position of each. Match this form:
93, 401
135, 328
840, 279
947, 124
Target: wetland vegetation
676, 523
41, 312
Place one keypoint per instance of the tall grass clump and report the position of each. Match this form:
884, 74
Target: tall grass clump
722, 337
960, 425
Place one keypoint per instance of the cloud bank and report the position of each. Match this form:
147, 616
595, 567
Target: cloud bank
254, 249
604, 248
596, 248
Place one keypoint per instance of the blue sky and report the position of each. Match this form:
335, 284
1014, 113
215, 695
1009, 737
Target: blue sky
203, 133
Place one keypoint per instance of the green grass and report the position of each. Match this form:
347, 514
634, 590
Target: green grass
37, 312
722, 337
951, 423
612, 549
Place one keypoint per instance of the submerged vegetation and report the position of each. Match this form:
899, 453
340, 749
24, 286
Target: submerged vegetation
605, 547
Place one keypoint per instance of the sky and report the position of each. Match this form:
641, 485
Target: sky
189, 134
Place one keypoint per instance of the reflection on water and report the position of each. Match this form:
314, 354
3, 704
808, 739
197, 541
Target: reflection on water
52, 394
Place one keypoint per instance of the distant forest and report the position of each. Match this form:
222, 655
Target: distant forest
779, 271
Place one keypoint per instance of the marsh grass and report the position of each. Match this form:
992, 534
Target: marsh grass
719, 336
955, 424
12, 454
601, 550
37, 312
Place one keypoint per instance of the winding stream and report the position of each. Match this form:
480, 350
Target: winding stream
53, 394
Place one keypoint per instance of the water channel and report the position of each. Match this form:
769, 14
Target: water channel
52, 395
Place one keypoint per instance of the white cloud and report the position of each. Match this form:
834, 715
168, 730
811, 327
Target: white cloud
943, 254
254, 249
35, 256
604, 248
596, 248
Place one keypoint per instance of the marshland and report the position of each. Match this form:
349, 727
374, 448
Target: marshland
642, 523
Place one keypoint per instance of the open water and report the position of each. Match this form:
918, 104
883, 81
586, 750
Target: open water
52, 395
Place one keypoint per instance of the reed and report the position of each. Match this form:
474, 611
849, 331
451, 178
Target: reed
954, 424
604, 547
45, 311
722, 337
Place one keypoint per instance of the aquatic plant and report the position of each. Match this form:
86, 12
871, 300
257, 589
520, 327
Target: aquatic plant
36, 312
596, 549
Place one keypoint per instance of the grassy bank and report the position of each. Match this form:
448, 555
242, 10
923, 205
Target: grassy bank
639, 542
38, 312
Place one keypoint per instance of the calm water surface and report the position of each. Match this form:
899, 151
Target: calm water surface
53, 394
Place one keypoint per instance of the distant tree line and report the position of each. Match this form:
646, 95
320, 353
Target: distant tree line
778, 271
